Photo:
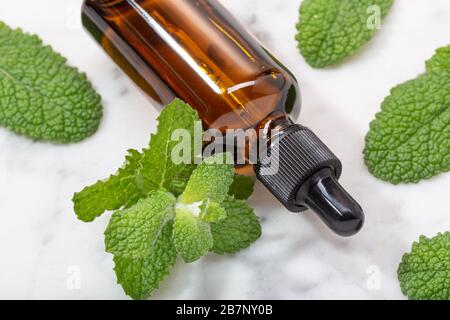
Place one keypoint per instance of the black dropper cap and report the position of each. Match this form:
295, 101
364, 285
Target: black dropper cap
300, 170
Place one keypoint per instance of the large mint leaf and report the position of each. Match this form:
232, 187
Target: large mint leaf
41, 96
409, 139
331, 30
424, 273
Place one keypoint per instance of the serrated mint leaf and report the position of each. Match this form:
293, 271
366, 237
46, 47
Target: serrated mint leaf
158, 167
331, 30
191, 235
440, 62
132, 232
119, 190
210, 180
41, 96
424, 273
409, 140
150, 170
238, 230
139, 277
242, 187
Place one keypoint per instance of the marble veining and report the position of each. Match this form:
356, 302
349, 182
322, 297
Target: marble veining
48, 253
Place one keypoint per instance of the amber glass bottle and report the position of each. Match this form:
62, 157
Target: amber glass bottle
195, 50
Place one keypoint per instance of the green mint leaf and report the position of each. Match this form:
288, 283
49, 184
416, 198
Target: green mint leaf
213, 212
144, 172
409, 139
199, 205
424, 273
238, 230
132, 232
119, 190
40, 95
440, 62
331, 30
191, 235
158, 168
139, 277
210, 180
242, 187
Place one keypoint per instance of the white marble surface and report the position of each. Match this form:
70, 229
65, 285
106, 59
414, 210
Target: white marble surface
44, 247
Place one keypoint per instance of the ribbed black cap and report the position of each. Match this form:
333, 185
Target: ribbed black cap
292, 158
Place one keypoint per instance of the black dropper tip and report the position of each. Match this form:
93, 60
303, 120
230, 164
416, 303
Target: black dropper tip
302, 173
323, 194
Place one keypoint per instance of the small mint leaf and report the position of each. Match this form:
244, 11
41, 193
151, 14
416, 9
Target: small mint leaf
214, 212
192, 235
211, 180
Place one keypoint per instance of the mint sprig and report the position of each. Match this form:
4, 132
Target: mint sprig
143, 172
166, 209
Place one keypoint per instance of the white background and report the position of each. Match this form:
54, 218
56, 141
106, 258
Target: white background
47, 253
